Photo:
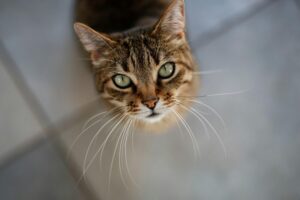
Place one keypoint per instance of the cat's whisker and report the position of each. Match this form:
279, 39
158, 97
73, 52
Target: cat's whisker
126, 160
218, 94
114, 155
213, 110
211, 127
86, 168
180, 128
207, 72
216, 133
132, 137
102, 147
87, 128
196, 113
91, 119
190, 132
121, 154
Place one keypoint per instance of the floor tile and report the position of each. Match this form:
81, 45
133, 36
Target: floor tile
40, 38
19, 125
39, 174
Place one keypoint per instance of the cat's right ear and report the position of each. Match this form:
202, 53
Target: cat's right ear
91, 39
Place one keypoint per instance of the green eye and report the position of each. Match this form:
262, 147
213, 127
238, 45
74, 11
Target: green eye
122, 81
166, 70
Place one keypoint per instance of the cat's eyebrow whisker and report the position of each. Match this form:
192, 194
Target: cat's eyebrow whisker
207, 72
190, 132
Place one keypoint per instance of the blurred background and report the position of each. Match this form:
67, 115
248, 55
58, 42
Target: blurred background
47, 94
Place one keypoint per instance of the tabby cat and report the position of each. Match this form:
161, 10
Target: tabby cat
141, 58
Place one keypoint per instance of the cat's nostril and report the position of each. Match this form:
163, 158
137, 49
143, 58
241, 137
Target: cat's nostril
151, 103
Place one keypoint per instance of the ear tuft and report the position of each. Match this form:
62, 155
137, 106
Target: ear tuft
91, 39
172, 22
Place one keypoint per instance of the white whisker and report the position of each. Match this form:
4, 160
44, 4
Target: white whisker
208, 72
196, 113
126, 160
190, 132
87, 128
120, 153
101, 149
215, 131
113, 157
91, 119
217, 94
84, 164
214, 111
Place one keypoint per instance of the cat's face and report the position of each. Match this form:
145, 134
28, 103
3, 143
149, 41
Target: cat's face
144, 72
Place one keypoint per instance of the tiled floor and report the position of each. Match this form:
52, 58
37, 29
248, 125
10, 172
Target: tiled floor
39, 174
255, 44
19, 125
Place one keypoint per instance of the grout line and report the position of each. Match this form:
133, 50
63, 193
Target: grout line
209, 36
33, 103
26, 148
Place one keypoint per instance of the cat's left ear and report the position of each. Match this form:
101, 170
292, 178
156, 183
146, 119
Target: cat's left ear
171, 25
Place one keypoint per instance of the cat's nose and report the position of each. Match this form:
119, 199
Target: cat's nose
150, 102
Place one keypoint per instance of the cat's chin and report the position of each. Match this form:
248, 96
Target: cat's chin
154, 118
156, 124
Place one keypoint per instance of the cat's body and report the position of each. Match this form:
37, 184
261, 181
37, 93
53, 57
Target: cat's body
119, 15
144, 67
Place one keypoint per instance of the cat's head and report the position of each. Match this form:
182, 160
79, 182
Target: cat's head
144, 72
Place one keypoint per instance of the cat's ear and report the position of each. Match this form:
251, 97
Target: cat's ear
172, 22
91, 39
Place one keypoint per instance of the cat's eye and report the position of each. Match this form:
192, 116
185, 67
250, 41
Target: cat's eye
122, 81
166, 70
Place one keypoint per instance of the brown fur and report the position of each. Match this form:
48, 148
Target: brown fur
138, 52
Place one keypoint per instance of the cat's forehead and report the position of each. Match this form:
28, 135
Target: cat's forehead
140, 55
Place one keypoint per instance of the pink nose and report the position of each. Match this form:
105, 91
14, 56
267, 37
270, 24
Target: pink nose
150, 102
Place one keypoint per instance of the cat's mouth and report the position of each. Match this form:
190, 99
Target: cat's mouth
153, 115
